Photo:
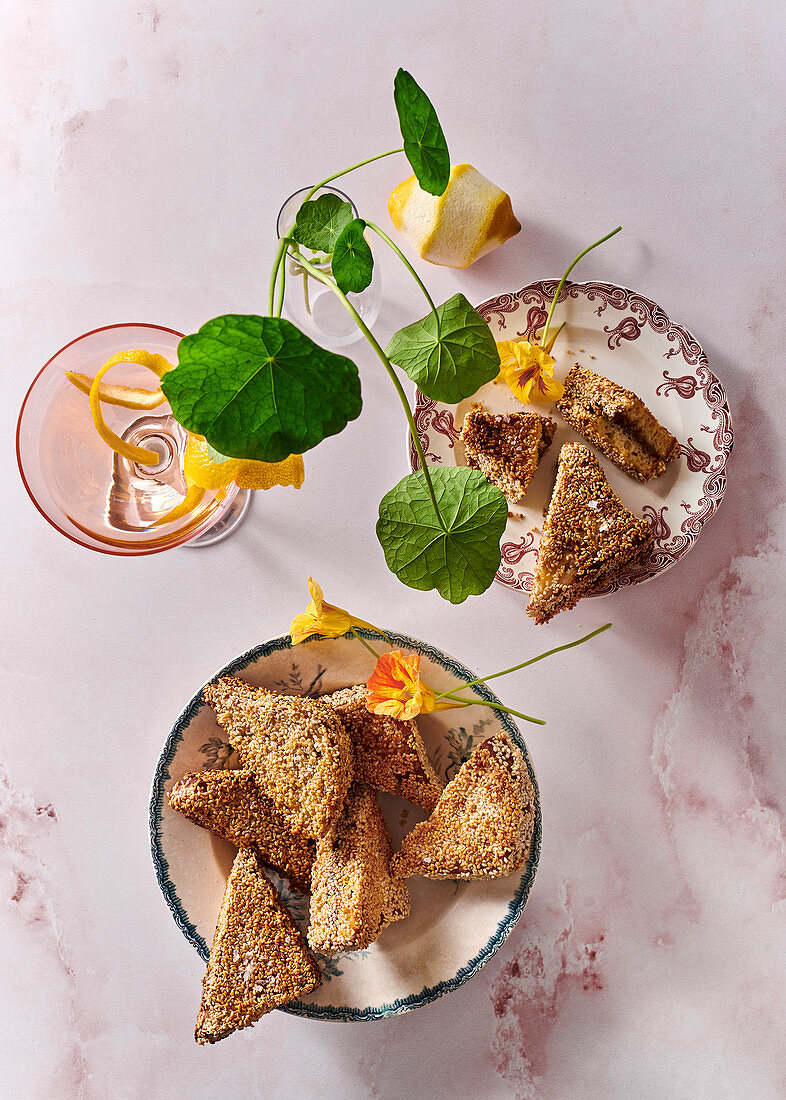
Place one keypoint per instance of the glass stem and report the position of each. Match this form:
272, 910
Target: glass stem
388, 367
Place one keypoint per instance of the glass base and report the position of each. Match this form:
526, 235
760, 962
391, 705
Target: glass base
228, 522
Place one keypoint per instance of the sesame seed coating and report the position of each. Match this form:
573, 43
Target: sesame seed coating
482, 825
618, 423
589, 537
297, 747
354, 896
258, 959
506, 447
231, 804
389, 754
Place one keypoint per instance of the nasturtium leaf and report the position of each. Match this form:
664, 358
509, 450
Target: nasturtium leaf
352, 263
424, 142
257, 387
451, 361
320, 222
460, 561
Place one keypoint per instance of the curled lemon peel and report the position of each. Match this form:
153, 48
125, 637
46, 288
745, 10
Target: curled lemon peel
189, 502
159, 366
128, 397
200, 469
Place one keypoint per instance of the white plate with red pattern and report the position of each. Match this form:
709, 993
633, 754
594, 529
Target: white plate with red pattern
628, 338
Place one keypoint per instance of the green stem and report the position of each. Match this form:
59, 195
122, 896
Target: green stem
281, 285
364, 643
388, 367
488, 703
534, 660
412, 271
271, 294
564, 277
346, 171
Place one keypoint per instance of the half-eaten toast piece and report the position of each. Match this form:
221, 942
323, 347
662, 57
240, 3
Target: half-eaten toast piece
506, 447
389, 754
232, 805
258, 959
354, 896
297, 747
589, 537
482, 825
617, 422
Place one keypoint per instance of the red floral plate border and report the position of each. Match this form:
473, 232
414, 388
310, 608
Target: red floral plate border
636, 344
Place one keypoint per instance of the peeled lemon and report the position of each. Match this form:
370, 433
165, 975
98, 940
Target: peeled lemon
199, 469
471, 218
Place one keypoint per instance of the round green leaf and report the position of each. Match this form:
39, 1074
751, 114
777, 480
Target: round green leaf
257, 387
458, 561
451, 360
352, 264
320, 222
424, 142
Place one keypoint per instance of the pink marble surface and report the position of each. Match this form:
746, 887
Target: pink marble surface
144, 151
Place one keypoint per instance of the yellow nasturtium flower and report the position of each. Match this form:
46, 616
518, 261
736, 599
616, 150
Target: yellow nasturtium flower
528, 370
319, 618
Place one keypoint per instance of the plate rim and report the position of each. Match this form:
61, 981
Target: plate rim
649, 314
344, 1013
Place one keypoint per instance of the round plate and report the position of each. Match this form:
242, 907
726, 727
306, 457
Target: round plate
453, 927
628, 338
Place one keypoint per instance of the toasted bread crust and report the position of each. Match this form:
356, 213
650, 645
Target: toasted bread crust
232, 805
389, 754
258, 959
297, 747
588, 538
506, 447
617, 422
482, 825
354, 896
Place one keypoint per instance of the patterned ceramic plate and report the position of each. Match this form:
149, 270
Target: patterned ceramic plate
629, 339
453, 928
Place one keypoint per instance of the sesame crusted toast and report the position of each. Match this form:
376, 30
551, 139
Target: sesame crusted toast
482, 825
506, 447
389, 754
589, 537
232, 805
258, 959
354, 896
297, 747
617, 422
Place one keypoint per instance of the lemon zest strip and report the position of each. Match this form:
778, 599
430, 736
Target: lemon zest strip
159, 366
128, 397
189, 502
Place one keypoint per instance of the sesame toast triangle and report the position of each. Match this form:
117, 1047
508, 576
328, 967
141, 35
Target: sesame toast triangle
389, 753
232, 805
506, 447
258, 959
297, 747
482, 825
618, 423
589, 537
354, 896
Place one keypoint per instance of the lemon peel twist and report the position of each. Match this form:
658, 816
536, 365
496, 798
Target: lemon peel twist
159, 366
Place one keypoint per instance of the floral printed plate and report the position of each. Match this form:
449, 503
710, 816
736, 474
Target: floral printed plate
453, 928
629, 339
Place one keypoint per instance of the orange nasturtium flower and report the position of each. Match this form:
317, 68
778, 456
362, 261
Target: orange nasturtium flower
395, 688
528, 369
